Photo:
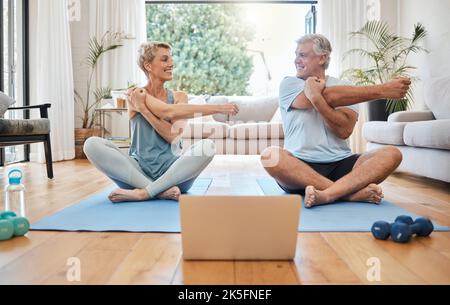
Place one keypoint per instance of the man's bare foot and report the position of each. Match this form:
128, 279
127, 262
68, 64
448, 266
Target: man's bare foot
173, 193
121, 195
371, 194
314, 197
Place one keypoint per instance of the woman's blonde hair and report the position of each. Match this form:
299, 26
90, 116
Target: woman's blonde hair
147, 52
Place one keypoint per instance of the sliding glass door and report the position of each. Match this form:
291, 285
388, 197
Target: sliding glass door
12, 63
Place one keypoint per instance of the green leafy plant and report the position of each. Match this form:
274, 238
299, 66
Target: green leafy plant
97, 48
209, 46
388, 56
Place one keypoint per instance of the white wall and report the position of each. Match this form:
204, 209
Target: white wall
434, 15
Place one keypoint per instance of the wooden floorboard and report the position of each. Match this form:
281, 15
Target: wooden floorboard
137, 258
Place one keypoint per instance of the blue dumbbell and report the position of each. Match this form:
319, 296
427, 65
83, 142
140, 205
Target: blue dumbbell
381, 230
21, 225
402, 232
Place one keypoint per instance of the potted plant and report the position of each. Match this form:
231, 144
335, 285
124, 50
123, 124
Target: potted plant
93, 98
388, 56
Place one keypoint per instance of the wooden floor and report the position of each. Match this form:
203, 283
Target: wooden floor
129, 258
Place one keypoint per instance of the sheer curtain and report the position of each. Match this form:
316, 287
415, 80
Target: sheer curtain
336, 20
119, 67
51, 74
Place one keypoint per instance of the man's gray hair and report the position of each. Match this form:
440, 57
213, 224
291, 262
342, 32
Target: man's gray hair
322, 46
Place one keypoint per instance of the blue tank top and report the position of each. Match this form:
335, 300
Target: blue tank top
149, 149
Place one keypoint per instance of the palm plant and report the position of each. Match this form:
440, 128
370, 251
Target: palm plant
97, 48
388, 58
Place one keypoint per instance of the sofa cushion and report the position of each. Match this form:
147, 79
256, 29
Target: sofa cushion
431, 134
253, 108
384, 132
252, 131
217, 100
437, 93
24, 127
277, 116
206, 130
411, 116
5, 103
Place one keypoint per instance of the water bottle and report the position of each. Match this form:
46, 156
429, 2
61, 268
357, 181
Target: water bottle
15, 193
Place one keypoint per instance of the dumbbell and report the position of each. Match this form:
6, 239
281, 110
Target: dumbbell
6, 230
381, 230
21, 225
402, 232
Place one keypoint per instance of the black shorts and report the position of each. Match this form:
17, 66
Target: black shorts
333, 171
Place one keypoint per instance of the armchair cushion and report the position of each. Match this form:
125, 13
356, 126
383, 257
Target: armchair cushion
5, 103
432, 134
411, 116
384, 132
24, 127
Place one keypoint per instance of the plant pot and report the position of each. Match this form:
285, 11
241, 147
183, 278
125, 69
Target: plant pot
81, 135
376, 110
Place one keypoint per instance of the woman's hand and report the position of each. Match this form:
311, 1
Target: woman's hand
137, 98
231, 109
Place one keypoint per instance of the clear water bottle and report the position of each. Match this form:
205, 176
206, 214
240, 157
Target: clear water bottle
14, 195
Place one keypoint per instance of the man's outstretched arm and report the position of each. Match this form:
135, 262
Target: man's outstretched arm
341, 96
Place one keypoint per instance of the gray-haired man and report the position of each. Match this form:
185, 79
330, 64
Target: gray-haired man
319, 115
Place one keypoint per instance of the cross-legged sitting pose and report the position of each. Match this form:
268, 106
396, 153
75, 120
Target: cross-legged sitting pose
155, 167
319, 115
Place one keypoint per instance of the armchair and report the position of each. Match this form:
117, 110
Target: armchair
22, 131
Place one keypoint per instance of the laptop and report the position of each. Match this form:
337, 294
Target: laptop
239, 228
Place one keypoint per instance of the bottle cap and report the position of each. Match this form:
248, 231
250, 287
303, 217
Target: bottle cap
15, 176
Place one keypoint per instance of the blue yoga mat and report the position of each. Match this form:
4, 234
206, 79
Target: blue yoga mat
98, 214
342, 216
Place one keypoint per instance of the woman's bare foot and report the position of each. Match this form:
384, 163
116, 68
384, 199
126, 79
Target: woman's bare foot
314, 197
371, 194
121, 195
173, 193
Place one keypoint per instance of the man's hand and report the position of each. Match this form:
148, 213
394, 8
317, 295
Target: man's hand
396, 88
314, 87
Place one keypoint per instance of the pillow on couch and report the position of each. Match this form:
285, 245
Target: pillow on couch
254, 108
217, 100
437, 96
5, 103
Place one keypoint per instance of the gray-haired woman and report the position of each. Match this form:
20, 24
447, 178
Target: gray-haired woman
155, 167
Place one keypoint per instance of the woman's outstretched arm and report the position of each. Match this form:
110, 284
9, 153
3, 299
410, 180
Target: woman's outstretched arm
178, 111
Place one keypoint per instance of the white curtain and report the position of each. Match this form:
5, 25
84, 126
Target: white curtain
336, 20
119, 67
51, 74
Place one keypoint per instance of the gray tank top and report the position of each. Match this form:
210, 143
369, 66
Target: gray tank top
149, 149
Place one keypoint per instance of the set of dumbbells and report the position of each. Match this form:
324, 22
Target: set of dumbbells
12, 226
403, 229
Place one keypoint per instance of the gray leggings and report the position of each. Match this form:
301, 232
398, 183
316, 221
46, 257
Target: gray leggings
127, 174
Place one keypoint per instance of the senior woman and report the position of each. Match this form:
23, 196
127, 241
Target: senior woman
155, 167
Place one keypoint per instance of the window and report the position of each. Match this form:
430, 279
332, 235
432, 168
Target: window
231, 47
13, 67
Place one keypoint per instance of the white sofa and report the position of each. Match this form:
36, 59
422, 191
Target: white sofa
422, 136
256, 127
